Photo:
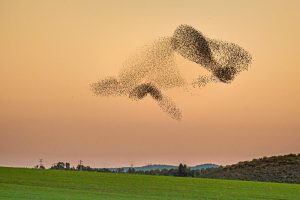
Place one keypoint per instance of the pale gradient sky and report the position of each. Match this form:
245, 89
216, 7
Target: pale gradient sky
51, 50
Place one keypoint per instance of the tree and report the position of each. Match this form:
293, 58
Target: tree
183, 170
67, 166
79, 167
59, 165
131, 170
42, 167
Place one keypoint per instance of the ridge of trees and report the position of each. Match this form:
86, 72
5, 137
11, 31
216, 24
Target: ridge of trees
281, 169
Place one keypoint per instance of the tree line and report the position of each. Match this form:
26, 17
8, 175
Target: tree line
182, 170
283, 169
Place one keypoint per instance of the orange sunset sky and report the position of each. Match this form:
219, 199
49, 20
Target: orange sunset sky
50, 51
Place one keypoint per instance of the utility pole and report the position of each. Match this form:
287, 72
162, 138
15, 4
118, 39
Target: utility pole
40, 165
41, 162
80, 165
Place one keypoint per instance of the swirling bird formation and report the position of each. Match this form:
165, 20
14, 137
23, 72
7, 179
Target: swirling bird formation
154, 69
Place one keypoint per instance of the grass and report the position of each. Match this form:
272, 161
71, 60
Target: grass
19, 183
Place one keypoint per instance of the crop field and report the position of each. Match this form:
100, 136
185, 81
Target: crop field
19, 183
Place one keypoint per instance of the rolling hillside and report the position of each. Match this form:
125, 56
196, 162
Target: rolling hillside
283, 169
17, 183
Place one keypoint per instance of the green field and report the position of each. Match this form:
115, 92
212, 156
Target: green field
17, 183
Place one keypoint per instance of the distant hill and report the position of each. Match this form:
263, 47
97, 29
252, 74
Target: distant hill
154, 167
271, 169
204, 166
161, 167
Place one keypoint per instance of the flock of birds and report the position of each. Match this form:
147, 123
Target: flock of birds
153, 70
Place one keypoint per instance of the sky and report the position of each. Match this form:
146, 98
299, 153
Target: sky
50, 51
